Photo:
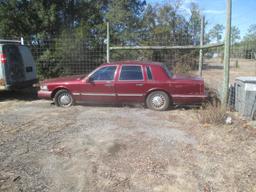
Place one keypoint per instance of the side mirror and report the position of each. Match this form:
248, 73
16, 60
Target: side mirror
89, 80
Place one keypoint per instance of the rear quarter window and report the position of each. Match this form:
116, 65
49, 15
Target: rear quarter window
167, 71
149, 73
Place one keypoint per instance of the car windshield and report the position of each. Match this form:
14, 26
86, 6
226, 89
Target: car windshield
169, 73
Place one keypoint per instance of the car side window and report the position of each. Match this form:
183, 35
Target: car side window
167, 71
104, 74
133, 72
149, 73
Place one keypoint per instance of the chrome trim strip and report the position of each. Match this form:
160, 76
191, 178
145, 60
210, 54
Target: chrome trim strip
109, 94
188, 95
98, 94
44, 91
128, 95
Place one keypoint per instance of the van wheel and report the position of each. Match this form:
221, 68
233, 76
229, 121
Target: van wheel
158, 100
63, 98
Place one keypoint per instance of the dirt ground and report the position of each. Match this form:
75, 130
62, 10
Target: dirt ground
108, 148
104, 148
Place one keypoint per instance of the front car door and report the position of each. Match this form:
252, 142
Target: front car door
130, 85
100, 85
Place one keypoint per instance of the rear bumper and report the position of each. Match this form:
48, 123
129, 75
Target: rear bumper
21, 85
205, 97
44, 94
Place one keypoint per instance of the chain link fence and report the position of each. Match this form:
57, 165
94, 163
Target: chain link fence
72, 54
67, 55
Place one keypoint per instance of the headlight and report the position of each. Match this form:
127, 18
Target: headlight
44, 87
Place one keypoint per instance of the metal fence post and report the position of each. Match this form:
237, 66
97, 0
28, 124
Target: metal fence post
22, 41
227, 55
108, 42
201, 49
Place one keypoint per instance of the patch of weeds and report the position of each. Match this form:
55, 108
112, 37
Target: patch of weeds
212, 115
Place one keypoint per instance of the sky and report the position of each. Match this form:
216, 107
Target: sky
243, 12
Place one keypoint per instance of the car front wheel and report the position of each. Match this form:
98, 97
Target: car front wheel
63, 98
158, 100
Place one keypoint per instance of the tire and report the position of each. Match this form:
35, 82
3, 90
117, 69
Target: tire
254, 116
63, 98
158, 101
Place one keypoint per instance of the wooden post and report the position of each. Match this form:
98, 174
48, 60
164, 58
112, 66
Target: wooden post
108, 42
201, 54
227, 54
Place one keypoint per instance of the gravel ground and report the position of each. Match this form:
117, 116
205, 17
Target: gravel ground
101, 148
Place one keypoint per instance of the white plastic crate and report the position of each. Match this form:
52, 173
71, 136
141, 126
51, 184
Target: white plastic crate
245, 97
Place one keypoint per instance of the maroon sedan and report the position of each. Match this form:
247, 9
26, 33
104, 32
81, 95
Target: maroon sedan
126, 82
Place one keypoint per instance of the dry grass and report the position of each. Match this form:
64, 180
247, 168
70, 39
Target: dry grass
212, 115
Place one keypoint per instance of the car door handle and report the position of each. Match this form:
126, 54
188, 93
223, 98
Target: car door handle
109, 85
139, 84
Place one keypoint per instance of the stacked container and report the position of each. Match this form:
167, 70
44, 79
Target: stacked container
245, 96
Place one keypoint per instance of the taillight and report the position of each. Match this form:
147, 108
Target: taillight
3, 58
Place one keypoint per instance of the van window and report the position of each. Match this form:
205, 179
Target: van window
15, 67
13, 55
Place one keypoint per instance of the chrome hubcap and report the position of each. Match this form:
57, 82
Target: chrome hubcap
65, 99
158, 101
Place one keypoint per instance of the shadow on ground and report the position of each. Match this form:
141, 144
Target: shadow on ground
23, 95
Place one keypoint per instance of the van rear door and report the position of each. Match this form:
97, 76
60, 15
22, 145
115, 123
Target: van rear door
28, 62
14, 67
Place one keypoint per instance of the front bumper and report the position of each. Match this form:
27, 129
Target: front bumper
44, 94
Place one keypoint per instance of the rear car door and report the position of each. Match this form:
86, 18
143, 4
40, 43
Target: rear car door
100, 85
130, 85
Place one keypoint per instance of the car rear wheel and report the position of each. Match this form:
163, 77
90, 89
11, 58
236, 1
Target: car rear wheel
158, 100
63, 98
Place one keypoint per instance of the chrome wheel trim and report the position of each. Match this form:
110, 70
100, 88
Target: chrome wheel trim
158, 101
65, 100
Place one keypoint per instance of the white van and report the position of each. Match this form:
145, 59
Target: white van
17, 66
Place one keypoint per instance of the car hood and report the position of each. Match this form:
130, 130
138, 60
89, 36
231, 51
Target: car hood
186, 77
64, 79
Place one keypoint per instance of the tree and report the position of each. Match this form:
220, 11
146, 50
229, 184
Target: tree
165, 24
49, 18
195, 23
248, 44
235, 34
124, 17
216, 33
251, 34
57, 29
